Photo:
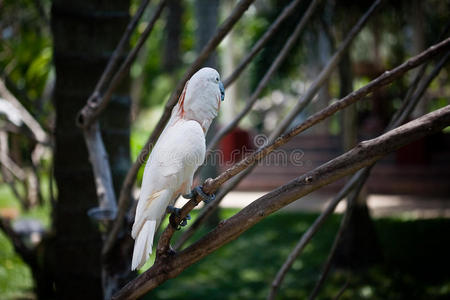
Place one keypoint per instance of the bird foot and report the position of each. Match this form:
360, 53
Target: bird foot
177, 211
198, 190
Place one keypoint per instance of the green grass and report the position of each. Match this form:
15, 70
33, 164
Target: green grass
416, 264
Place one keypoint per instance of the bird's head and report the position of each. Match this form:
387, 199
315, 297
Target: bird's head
201, 97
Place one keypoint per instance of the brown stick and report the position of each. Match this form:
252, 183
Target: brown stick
9, 169
39, 134
305, 99
130, 178
324, 74
265, 80
169, 264
98, 102
244, 167
287, 11
344, 223
410, 101
308, 235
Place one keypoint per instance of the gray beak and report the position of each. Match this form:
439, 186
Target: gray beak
222, 91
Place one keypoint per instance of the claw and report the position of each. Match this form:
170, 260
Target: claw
173, 210
199, 191
177, 211
191, 195
205, 197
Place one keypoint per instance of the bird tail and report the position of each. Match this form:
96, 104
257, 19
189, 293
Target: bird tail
148, 215
143, 244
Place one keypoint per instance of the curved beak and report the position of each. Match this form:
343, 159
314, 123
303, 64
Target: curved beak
222, 91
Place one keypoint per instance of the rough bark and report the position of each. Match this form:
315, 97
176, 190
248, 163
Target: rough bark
359, 243
170, 264
73, 250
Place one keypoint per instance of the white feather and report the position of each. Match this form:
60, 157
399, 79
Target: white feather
143, 245
177, 154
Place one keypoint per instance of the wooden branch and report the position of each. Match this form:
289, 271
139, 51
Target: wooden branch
404, 112
9, 169
361, 177
39, 134
169, 265
342, 290
87, 118
324, 74
287, 11
312, 230
125, 192
107, 209
98, 102
267, 76
312, 90
344, 223
241, 169
6, 161
422, 87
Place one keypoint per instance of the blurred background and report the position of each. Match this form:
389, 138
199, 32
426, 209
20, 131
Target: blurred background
401, 248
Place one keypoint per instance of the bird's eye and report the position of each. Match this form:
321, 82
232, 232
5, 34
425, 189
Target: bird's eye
217, 79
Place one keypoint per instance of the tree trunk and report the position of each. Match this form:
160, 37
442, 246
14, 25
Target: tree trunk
358, 246
85, 33
171, 56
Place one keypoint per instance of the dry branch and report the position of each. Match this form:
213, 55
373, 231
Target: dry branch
287, 11
312, 230
125, 192
267, 76
107, 209
170, 264
364, 174
6, 161
305, 99
413, 95
410, 103
87, 118
324, 74
98, 102
9, 169
241, 169
39, 134
422, 87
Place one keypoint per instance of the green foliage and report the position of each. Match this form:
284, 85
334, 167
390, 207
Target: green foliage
25, 49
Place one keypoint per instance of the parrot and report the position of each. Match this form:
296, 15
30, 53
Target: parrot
177, 154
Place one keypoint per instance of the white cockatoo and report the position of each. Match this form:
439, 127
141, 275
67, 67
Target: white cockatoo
177, 154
